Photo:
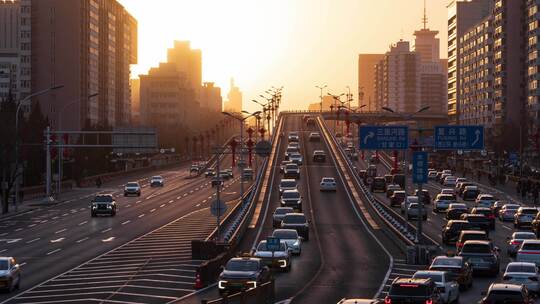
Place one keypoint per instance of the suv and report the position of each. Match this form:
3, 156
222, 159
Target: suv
319, 156
487, 212
378, 185
291, 198
524, 216
11, 274
409, 290
287, 184
291, 171
478, 221
506, 293
242, 274
397, 198
470, 235
482, 256
103, 204
458, 268
157, 181
296, 221
132, 188
423, 195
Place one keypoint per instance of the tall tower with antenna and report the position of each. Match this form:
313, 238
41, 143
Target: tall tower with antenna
424, 19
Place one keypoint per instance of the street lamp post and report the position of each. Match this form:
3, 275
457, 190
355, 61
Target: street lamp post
17, 143
320, 96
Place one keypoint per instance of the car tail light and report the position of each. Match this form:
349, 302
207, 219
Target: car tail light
387, 300
459, 244
429, 301
491, 216
515, 242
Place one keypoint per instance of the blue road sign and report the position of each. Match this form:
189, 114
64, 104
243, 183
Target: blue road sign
272, 243
420, 167
384, 137
459, 138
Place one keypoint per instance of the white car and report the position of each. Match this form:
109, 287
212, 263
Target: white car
522, 273
448, 288
11, 274
461, 180
132, 188
296, 158
432, 174
407, 201
291, 237
287, 184
328, 184
443, 201
447, 191
157, 181
529, 251
280, 258
294, 137
450, 181
484, 200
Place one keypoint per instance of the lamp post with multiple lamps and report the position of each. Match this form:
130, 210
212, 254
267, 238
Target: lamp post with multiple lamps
320, 96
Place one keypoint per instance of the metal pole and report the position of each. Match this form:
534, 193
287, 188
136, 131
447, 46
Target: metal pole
420, 216
48, 163
16, 200
241, 159
218, 188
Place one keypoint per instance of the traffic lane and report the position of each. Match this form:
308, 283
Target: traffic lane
346, 246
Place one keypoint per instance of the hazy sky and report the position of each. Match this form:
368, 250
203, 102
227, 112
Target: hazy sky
292, 43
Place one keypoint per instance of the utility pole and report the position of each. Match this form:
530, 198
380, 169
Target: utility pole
48, 164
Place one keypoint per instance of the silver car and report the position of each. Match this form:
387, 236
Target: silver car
287, 184
448, 288
515, 241
413, 211
10, 274
522, 273
291, 237
407, 201
507, 212
279, 213
328, 184
296, 158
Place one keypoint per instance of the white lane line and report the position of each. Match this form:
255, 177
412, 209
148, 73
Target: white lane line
191, 191
4, 234
210, 197
44, 221
198, 205
196, 189
31, 241
108, 239
152, 210
204, 201
138, 202
31, 225
506, 227
178, 197
128, 205
3, 250
54, 251
57, 240
82, 223
55, 218
126, 222
171, 201
162, 205
19, 229
185, 194
13, 241
141, 215
82, 209
106, 230
65, 214
82, 240
60, 231
22, 264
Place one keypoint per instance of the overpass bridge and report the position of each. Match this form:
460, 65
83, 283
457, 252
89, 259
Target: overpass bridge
376, 117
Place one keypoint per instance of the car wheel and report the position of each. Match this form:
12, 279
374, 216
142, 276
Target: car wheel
93, 214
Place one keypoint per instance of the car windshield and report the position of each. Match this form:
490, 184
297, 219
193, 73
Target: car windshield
524, 236
446, 197
520, 268
530, 246
511, 207
474, 237
103, 199
436, 277
447, 262
529, 211
284, 210
407, 289
156, 177
242, 265
477, 219
328, 180
285, 234
505, 297
288, 184
291, 195
291, 167
4, 265
476, 248
294, 219
132, 185
262, 247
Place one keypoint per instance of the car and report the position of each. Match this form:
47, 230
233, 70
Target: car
397, 198
132, 188
247, 174
443, 177
11, 274
447, 171
529, 251
283, 165
478, 221
291, 171
455, 211
374, 159
319, 156
457, 267
442, 202
217, 181
230, 172
449, 181
487, 212
310, 122
296, 158
452, 230
378, 185
432, 174
484, 200
294, 137
194, 169
291, 150
448, 288
390, 188
438, 176
413, 211
460, 187
399, 179
294, 145
359, 301
423, 195
523, 273
515, 241
388, 178
506, 293
497, 206
371, 171
407, 201
242, 273
291, 198
448, 191
103, 204
157, 181
470, 235
279, 214
314, 136
507, 212
482, 256
278, 259
296, 221
410, 290
536, 225
291, 237
224, 175
461, 180
209, 172
287, 184
328, 184
524, 217
470, 193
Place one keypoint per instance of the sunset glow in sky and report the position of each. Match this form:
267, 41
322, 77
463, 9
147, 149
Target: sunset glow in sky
292, 43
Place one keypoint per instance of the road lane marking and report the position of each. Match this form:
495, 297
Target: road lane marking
82, 240
19, 229
171, 201
55, 218
126, 222
31, 225
13, 241
22, 264
31, 241
204, 201
138, 201
60, 231
65, 214
141, 215
57, 240
198, 205
128, 205
185, 194
106, 230
162, 205
152, 210
4, 234
54, 251
506, 227
82, 223
108, 239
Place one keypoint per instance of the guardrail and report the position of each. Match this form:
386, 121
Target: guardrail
404, 230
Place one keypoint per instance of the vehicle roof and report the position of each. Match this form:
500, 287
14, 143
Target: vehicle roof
295, 213
288, 180
531, 242
458, 205
471, 188
411, 281
477, 242
504, 286
284, 229
474, 215
473, 232
439, 272
482, 209
104, 194
514, 235
457, 222
400, 191
248, 258
521, 264
291, 191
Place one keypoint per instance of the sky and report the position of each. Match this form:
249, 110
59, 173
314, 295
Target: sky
297, 44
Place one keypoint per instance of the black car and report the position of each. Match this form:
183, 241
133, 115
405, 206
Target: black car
319, 156
378, 185
455, 211
424, 196
242, 274
482, 255
458, 268
413, 291
399, 179
296, 221
103, 204
450, 232
507, 293
488, 212
479, 221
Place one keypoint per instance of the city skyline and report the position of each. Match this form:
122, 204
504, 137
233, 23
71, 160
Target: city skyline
269, 52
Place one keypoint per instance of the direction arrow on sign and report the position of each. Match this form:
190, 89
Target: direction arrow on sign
384, 137
459, 137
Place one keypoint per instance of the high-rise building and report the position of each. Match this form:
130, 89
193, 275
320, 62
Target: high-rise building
135, 85
461, 16
85, 45
234, 103
187, 61
366, 80
532, 57
210, 98
9, 49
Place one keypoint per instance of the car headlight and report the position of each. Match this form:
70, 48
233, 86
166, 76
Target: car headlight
252, 283
296, 243
109, 207
221, 284
94, 206
282, 263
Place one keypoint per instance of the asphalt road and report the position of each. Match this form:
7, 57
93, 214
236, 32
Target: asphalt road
432, 228
49, 241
